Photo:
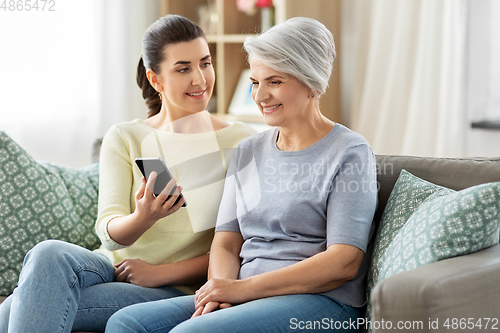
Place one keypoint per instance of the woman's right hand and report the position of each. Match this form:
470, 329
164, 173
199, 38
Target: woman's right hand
149, 208
125, 230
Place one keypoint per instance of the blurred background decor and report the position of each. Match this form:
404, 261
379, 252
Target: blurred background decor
242, 103
247, 6
267, 14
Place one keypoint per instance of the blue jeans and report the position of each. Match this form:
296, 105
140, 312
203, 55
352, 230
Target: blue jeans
64, 287
291, 313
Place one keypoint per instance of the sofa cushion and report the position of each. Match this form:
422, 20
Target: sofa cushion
40, 201
458, 223
454, 173
408, 194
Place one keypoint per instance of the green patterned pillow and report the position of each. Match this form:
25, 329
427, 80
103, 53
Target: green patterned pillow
40, 201
459, 223
408, 194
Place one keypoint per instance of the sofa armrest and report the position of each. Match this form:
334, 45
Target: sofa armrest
462, 287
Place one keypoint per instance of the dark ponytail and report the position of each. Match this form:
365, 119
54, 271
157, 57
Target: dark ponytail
150, 95
170, 29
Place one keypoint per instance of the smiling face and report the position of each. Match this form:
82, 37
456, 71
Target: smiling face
282, 99
186, 77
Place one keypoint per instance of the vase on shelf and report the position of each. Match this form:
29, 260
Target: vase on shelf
266, 14
266, 18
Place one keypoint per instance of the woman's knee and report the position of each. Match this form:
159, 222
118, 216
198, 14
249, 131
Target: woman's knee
48, 250
54, 256
155, 316
4, 314
124, 321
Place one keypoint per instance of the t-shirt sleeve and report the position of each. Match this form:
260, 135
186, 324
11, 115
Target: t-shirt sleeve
227, 218
115, 184
353, 198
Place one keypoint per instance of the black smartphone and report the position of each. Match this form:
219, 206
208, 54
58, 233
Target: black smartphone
150, 164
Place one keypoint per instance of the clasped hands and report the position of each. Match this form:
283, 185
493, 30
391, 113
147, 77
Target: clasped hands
220, 294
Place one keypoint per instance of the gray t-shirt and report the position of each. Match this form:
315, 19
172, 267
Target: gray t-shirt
291, 205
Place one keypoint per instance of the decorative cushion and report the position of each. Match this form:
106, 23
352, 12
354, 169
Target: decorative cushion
408, 194
459, 223
40, 201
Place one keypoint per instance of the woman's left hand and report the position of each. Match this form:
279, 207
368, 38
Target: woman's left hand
137, 272
223, 291
209, 307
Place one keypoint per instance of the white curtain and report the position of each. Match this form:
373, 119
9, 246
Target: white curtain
122, 25
403, 64
69, 74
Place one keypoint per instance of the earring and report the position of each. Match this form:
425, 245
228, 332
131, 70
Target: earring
312, 96
159, 94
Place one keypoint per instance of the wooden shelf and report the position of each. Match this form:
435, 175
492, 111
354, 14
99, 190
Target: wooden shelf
227, 38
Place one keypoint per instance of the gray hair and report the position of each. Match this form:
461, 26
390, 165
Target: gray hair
300, 47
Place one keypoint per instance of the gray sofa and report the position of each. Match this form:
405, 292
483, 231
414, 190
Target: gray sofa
462, 287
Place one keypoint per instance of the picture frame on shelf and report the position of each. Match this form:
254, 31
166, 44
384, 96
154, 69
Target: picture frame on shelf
242, 103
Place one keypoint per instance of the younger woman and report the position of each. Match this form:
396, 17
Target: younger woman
152, 248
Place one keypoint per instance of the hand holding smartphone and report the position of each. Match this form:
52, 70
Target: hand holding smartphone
150, 164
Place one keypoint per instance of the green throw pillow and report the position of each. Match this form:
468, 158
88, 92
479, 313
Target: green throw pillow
459, 223
40, 201
408, 194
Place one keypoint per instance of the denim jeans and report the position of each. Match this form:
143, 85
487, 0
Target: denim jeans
291, 313
64, 287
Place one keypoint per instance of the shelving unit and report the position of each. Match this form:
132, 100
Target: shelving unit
231, 27
327, 12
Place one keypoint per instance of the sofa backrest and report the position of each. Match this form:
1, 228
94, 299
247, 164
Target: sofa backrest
454, 173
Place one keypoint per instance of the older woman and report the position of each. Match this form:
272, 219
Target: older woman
295, 218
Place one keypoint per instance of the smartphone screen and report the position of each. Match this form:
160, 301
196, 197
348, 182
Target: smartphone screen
148, 165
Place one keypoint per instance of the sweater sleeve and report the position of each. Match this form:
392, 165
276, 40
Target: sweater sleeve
115, 184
